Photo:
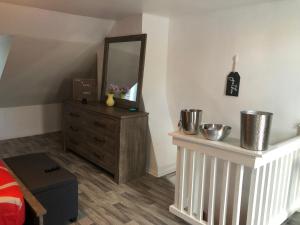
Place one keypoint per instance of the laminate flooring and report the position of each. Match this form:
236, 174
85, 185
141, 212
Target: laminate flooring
101, 201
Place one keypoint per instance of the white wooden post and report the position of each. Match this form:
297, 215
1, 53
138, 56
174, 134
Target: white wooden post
275, 188
268, 191
182, 179
237, 194
212, 191
287, 182
261, 193
297, 177
191, 182
224, 194
202, 186
177, 184
292, 193
279, 187
252, 197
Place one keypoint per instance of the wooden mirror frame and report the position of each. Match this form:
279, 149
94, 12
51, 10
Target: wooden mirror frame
123, 103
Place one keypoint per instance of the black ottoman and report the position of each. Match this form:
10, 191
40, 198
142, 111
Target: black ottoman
55, 187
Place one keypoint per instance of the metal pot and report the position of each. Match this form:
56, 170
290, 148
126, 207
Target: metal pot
255, 129
190, 121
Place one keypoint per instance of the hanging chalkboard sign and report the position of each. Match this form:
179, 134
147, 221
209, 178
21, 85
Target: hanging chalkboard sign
233, 81
233, 84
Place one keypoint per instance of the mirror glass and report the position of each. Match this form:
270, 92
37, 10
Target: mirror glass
123, 69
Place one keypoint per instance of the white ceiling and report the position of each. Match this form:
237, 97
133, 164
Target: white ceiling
115, 9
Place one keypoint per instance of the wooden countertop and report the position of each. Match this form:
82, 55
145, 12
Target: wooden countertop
112, 111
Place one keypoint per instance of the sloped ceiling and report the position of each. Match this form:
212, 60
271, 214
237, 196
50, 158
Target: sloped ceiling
48, 49
55, 41
116, 9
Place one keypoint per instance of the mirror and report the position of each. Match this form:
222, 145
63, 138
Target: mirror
123, 67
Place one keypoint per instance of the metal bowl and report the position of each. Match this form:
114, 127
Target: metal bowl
215, 132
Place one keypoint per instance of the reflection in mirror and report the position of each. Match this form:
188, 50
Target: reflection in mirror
123, 69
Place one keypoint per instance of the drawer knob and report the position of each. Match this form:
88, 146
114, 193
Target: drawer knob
74, 114
73, 142
97, 124
100, 157
101, 141
74, 129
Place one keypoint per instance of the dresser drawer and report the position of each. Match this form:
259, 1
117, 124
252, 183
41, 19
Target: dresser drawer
101, 143
73, 144
102, 124
101, 158
72, 128
72, 112
92, 148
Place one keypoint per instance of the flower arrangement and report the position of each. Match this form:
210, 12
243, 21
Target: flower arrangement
112, 89
123, 90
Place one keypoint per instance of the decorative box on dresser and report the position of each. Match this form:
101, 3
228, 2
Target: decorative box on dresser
111, 138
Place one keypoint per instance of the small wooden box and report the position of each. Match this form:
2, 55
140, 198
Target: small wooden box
84, 89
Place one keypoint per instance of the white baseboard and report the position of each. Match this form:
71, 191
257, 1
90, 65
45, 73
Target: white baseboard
162, 171
152, 171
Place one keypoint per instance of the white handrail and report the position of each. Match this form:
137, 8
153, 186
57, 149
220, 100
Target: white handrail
231, 147
222, 171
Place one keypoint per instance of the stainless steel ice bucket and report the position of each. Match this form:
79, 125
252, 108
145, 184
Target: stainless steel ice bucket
190, 120
255, 129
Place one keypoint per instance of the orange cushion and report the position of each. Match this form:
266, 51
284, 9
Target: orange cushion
12, 205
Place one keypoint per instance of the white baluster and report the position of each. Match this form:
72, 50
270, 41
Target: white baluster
212, 191
202, 186
278, 187
178, 163
252, 197
181, 190
224, 194
268, 192
261, 193
284, 183
237, 194
294, 180
297, 195
275, 188
288, 181
191, 181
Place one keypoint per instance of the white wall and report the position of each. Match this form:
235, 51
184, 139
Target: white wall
29, 120
163, 155
265, 36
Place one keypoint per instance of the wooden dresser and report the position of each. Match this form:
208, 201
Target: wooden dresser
110, 137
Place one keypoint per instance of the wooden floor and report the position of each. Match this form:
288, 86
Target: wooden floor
101, 201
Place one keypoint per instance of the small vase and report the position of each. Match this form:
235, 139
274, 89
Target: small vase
110, 100
122, 95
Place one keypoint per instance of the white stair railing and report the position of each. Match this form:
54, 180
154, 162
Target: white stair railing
221, 183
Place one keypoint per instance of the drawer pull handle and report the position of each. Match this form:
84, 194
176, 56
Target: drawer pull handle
74, 114
101, 141
74, 129
97, 124
73, 142
100, 157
